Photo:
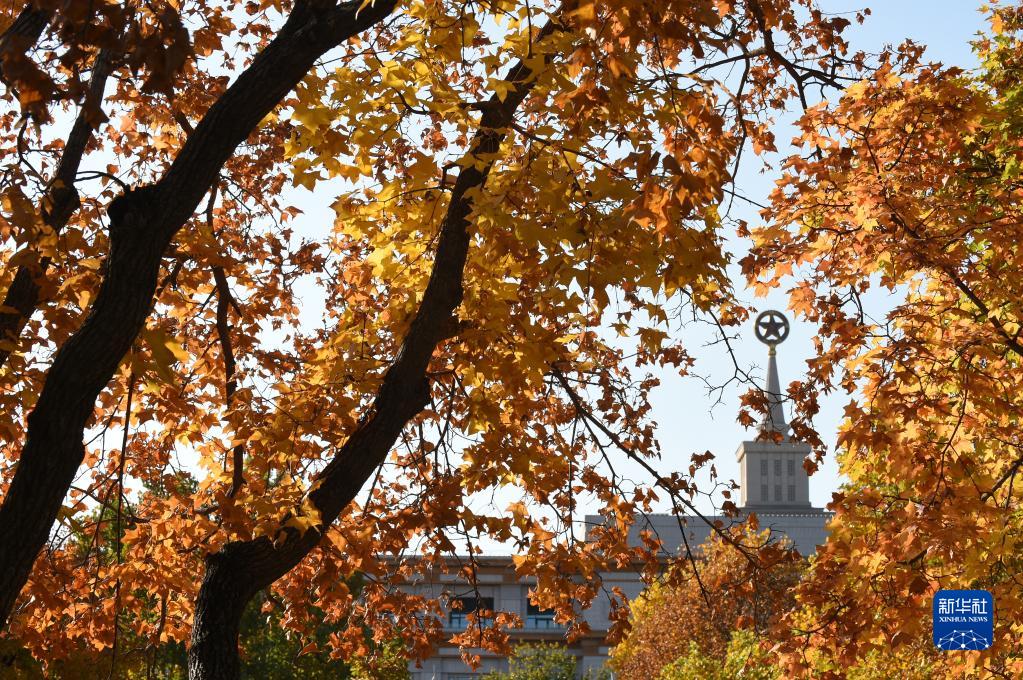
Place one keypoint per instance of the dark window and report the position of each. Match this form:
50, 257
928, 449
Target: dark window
763, 493
461, 607
792, 492
777, 466
777, 492
763, 467
540, 618
792, 467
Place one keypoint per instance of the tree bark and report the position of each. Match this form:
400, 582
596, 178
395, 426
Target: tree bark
23, 33
21, 36
219, 608
142, 224
238, 571
60, 203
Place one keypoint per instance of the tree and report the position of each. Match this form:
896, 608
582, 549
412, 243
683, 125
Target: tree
143, 223
390, 663
694, 611
270, 652
908, 185
744, 658
506, 177
541, 662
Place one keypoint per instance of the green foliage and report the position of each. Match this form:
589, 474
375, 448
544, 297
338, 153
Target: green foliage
271, 653
919, 663
744, 659
387, 664
748, 660
542, 662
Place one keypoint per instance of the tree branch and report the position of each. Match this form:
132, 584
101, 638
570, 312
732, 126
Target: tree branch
23, 34
242, 568
142, 224
224, 302
59, 204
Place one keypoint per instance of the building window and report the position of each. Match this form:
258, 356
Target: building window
792, 492
777, 492
763, 493
461, 676
538, 618
777, 466
763, 467
461, 607
792, 467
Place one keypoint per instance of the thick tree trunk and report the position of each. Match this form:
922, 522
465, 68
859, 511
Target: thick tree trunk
405, 391
142, 224
82, 367
218, 613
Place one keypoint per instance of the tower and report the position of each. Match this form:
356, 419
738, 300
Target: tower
771, 473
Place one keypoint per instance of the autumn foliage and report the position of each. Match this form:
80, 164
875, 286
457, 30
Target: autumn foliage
908, 186
289, 287
702, 604
261, 404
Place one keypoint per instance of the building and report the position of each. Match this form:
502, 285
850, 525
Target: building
500, 590
773, 484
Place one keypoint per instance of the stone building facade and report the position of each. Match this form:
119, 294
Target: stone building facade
499, 589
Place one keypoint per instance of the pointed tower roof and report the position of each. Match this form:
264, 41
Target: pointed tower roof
771, 328
774, 419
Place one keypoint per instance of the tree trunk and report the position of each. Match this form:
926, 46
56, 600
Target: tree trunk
218, 613
405, 391
142, 224
82, 367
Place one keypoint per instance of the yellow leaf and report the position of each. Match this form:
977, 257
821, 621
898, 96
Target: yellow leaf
587, 12
165, 350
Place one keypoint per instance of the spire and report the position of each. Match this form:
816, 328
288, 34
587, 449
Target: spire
771, 328
774, 419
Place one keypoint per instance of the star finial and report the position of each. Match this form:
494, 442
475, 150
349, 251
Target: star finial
771, 328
